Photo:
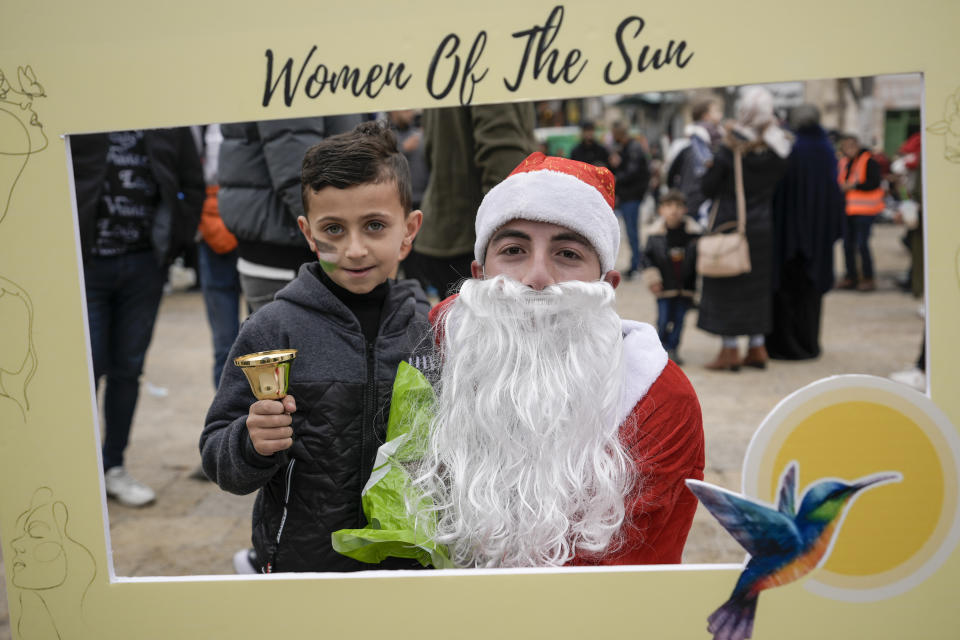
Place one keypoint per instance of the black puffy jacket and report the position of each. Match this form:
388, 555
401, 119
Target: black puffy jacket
342, 387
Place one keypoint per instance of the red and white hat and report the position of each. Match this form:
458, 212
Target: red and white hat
543, 188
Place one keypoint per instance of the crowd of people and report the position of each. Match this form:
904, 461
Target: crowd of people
804, 190
562, 434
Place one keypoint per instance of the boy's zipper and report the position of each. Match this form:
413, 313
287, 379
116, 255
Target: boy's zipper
283, 518
366, 431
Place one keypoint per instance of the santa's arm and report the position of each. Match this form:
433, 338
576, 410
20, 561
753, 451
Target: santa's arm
666, 440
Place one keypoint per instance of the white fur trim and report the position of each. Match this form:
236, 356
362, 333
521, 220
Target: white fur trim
644, 360
555, 197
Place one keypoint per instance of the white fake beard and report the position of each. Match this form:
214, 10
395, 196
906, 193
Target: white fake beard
524, 465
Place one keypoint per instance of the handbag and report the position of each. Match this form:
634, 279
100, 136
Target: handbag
721, 253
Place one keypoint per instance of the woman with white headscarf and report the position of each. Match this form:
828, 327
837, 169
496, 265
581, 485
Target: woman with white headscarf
741, 305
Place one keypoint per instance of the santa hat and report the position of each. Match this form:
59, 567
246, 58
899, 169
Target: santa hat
565, 192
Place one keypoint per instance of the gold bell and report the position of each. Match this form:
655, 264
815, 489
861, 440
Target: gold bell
268, 372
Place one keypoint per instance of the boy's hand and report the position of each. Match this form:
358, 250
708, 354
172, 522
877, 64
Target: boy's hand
268, 424
656, 287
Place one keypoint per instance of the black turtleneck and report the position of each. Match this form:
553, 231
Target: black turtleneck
365, 306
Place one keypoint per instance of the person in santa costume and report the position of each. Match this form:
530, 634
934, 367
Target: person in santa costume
563, 434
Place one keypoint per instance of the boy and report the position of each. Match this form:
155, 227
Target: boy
311, 453
563, 434
670, 258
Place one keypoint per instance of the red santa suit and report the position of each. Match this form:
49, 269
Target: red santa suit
662, 429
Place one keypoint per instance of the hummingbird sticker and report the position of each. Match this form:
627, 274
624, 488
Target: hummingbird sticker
784, 543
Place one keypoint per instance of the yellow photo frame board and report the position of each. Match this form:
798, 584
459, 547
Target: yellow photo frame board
74, 68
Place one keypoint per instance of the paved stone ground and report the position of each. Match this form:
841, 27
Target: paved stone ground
194, 527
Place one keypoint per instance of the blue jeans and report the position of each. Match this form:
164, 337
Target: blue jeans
123, 297
220, 283
856, 239
670, 313
630, 212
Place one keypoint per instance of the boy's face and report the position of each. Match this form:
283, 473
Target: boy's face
672, 214
360, 234
539, 254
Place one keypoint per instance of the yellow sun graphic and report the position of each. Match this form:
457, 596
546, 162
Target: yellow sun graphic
847, 427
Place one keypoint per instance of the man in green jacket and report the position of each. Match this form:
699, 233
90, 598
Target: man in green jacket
469, 151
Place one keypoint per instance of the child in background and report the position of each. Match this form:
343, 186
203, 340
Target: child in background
670, 267
310, 454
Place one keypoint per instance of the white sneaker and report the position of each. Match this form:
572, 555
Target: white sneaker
126, 489
243, 562
914, 377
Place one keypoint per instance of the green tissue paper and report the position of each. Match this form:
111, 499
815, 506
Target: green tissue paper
390, 530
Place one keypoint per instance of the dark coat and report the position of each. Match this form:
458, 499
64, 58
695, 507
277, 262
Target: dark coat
342, 385
808, 210
633, 173
175, 165
808, 216
741, 305
592, 153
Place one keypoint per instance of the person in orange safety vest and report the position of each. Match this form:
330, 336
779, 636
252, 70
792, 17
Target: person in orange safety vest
859, 177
